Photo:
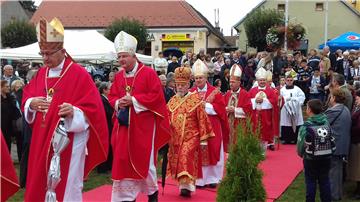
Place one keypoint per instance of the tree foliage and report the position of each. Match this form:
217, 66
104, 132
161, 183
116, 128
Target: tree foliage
243, 180
257, 24
130, 26
18, 33
28, 5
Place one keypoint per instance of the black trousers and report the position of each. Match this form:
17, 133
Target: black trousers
288, 135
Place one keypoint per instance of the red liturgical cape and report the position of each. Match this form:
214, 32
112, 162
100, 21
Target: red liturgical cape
219, 124
132, 144
264, 117
77, 88
9, 180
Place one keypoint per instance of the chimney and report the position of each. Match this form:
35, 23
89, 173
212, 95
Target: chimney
216, 17
217, 26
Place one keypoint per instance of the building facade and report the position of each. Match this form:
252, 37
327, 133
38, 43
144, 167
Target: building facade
170, 24
342, 17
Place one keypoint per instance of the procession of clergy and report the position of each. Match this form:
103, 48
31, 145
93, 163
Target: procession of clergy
199, 123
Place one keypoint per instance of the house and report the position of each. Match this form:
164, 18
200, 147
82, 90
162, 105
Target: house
11, 10
355, 4
169, 23
342, 17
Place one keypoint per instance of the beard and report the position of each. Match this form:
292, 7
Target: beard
181, 93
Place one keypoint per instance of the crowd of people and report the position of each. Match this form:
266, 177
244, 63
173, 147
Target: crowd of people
323, 84
188, 109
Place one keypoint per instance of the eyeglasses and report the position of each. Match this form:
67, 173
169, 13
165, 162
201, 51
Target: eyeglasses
48, 54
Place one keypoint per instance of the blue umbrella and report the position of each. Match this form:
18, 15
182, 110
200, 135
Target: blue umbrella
173, 51
346, 41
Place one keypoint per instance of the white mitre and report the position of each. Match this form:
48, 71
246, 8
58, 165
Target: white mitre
261, 73
124, 42
235, 72
199, 68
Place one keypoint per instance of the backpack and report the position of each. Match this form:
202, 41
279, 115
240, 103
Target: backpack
319, 142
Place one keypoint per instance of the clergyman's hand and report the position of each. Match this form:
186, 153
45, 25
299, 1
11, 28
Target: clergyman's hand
39, 104
66, 110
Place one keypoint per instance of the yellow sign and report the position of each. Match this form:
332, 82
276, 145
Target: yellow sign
176, 37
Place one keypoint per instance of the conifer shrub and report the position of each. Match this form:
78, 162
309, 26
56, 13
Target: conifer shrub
243, 178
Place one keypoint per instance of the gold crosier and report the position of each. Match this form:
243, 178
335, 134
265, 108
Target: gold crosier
231, 116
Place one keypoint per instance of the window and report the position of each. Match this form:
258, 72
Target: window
281, 7
319, 7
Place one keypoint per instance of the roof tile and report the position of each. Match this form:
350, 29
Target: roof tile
77, 14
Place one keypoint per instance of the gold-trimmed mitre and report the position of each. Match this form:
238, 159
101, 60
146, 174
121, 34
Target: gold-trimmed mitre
50, 35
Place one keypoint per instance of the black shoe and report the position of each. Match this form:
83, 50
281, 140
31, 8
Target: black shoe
212, 186
185, 193
200, 187
153, 197
271, 147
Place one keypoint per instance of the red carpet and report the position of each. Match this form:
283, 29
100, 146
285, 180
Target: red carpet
280, 169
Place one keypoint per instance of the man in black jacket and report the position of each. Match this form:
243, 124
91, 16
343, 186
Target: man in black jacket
173, 65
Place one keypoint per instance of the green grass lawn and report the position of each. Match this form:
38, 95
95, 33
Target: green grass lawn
295, 192
94, 180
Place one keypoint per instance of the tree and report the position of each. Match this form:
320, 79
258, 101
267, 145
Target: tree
257, 24
133, 27
28, 5
243, 180
18, 33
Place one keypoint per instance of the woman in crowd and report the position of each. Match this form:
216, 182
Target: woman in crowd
249, 74
17, 91
8, 110
104, 89
354, 156
210, 66
340, 122
217, 67
324, 64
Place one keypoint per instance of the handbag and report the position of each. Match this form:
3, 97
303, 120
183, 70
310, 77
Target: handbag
123, 116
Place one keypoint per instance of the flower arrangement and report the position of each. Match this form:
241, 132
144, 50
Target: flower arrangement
276, 34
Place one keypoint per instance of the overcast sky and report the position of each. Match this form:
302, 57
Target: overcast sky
230, 11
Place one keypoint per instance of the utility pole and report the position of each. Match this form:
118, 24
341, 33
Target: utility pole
326, 22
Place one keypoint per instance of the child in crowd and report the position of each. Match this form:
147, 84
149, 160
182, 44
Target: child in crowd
316, 157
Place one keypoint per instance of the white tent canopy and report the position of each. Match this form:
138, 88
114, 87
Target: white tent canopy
81, 45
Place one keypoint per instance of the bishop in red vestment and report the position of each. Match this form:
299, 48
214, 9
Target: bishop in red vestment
190, 127
9, 180
141, 124
62, 88
213, 155
238, 103
263, 100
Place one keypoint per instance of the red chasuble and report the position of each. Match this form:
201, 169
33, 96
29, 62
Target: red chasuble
265, 117
219, 124
77, 88
9, 180
132, 144
243, 102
